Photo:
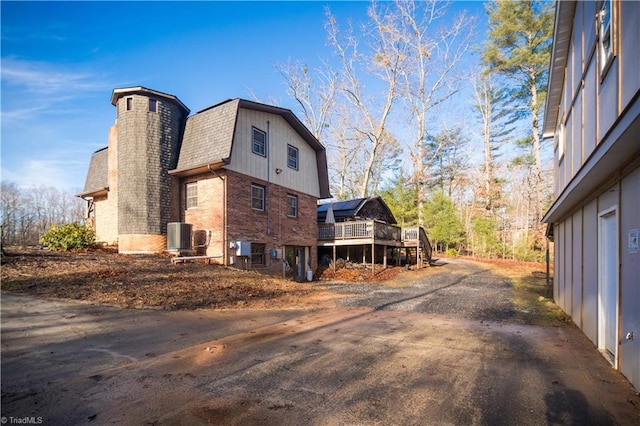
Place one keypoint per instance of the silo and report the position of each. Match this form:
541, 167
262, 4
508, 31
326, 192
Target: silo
149, 128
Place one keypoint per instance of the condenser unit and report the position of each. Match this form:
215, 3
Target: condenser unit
179, 236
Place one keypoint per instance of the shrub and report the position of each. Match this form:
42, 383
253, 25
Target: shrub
71, 236
452, 252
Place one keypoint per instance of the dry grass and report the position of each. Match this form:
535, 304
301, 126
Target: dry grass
532, 298
148, 281
152, 281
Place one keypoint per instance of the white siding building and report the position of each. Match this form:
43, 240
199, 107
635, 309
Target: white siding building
593, 115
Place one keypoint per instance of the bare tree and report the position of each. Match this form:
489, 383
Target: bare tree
429, 74
313, 91
27, 213
369, 112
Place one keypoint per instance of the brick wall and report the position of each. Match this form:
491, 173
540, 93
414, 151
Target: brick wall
274, 229
106, 220
208, 216
271, 227
106, 208
141, 243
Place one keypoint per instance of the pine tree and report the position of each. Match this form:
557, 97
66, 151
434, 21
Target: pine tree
518, 47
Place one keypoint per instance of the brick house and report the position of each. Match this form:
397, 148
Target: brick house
246, 176
593, 116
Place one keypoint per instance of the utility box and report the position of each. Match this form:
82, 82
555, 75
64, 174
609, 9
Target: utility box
276, 253
243, 248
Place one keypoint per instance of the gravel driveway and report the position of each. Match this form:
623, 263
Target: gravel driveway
462, 290
440, 351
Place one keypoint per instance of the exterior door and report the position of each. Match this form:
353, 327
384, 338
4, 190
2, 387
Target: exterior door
608, 285
295, 257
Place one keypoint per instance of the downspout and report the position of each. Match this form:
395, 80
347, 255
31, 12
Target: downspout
266, 198
225, 243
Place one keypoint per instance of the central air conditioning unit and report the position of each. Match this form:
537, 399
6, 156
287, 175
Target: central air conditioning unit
179, 236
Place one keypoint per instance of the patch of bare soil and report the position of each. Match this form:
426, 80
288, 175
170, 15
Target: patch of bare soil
358, 273
149, 281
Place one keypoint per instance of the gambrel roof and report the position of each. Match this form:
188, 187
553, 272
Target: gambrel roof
208, 139
208, 136
97, 181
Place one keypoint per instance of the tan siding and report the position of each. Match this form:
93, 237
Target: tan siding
568, 270
560, 247
590, 272
244, 161
590, 120
556, 262
629, 52
608, 100
576, 255
570, 82
576, 143
629, 273
589, 25
568, 153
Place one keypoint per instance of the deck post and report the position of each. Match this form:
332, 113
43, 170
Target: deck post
384, 257
334, 258
373, 259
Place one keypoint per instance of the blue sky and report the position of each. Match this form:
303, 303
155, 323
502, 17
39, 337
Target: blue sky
61, 60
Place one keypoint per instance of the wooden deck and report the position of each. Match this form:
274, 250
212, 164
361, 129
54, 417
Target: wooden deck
375, 233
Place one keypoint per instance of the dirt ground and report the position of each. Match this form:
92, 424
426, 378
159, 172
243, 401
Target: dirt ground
446, 345
147, 281
151, 281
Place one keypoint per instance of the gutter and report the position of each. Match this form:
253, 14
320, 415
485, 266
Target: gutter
225, 237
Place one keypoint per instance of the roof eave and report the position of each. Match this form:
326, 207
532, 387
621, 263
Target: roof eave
120, 92
93, 193
562, 31
199, 169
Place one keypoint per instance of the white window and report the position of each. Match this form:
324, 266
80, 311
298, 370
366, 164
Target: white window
292, 205
605, 34
292, 157
257, 197
561, 142
259, 142
192, 195
153, 105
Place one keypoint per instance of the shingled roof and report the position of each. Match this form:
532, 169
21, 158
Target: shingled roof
207, 137
97, 178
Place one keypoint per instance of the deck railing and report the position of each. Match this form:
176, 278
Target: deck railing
359, 230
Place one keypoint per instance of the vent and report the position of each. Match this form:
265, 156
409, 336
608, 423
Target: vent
179, 236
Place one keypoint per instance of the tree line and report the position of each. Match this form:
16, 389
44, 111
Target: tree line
381, 105
27, 213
